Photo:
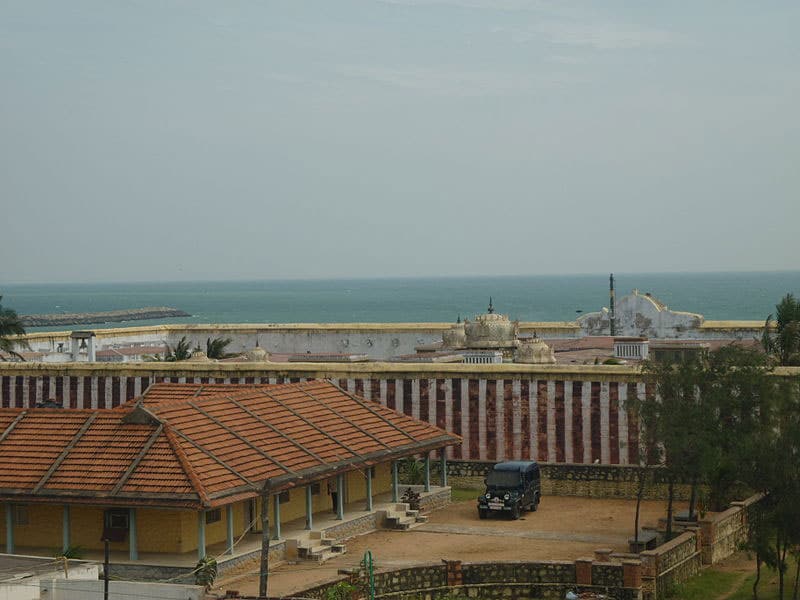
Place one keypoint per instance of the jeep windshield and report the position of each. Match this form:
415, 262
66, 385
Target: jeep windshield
503, 479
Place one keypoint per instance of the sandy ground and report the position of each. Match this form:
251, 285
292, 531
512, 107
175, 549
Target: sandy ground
562, 529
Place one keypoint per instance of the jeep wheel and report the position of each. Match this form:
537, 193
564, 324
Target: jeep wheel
482, 513
515, 512
535, 504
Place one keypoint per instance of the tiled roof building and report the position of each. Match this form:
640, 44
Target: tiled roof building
194, 448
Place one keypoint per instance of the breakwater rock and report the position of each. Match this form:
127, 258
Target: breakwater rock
109, 316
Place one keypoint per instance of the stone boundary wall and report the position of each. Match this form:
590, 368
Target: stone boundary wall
548, 580
670, 564
724, 533
587, 481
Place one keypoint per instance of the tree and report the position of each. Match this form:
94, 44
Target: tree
784, 342
216, 348
679, 420
10, 324
181, 351
646, 446
774, 470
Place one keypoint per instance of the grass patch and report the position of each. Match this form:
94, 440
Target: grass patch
712, 584
461, 494
707, 585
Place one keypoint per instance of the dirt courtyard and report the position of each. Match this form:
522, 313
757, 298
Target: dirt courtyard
564, 528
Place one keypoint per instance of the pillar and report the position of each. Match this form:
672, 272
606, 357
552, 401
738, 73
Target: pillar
9, 528
427, 471
340, 497
91, 356
229, 525
133, 544
395, 483
583, 571
369, 490
309, 508
65, 528
443, 466
201, 535
631, 574
276, 517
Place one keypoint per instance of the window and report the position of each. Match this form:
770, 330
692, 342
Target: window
315, 488
21, 515
115, 524
116, 518
283, 497
213, 516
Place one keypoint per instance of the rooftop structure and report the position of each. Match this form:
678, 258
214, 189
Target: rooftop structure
487, 334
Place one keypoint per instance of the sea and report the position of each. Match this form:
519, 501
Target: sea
726, 295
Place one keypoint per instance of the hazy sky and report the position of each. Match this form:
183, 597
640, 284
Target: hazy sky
153, 140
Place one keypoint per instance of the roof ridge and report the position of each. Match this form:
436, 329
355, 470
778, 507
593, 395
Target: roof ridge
199, 488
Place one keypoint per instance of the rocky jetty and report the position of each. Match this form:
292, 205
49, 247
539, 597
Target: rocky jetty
110, 316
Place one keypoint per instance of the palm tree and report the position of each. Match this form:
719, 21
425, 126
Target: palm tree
784, 342
10, 324
181, 351
216, 348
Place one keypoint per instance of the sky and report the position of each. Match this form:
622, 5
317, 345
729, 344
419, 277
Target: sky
200, 140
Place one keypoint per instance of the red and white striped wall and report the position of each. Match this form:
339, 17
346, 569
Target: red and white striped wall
550, 420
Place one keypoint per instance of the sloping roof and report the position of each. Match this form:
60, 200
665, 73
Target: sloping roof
201, 445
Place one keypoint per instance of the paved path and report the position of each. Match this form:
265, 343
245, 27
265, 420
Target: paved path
528, 534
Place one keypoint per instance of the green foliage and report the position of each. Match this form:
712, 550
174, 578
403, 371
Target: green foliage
181, 351
10, 324
727, 421
413, 471
784, 342
707, 585
205, 572
215, 348
613, 361
72, 552
344, 590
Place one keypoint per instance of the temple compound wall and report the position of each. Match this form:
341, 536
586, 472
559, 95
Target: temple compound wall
554, 414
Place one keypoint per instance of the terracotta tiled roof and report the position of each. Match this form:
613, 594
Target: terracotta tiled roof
201, 445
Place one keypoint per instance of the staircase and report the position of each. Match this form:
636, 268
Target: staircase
319, 548
401, 517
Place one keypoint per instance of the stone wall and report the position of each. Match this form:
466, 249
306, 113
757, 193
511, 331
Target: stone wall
724, 533
548, 580
670, 564
354, 527
597, 481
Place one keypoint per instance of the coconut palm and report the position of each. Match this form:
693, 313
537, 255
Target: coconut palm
216, 348
10, 324
782, 334
181, 351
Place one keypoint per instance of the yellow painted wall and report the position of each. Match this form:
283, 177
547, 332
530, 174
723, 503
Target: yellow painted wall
174, 531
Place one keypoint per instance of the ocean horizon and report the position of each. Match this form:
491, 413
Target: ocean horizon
716, 295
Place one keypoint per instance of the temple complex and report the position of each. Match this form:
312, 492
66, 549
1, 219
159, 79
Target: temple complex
491, 336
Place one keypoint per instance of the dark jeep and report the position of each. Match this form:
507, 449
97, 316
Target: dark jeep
511, 487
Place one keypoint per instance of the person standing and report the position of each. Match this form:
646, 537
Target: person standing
334, 493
